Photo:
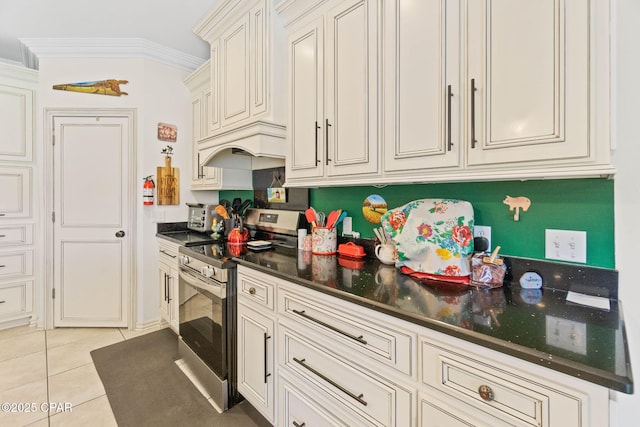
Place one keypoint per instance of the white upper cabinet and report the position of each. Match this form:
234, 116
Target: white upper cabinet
235, 72
475, 90
247, 109
333, 94
530, 81
16, 122
423, 90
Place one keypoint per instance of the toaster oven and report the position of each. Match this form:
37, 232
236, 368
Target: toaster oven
200, 217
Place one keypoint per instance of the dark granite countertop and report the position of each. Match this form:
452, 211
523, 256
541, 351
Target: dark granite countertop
538, 326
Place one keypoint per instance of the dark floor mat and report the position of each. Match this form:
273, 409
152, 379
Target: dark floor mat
146, 388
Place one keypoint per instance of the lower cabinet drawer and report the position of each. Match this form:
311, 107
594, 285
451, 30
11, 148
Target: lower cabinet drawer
16, 298
377, 340
16, 264
500, 391
13, 235
299, 406
377, 400
435, 409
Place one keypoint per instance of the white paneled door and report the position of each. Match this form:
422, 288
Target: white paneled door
92, 224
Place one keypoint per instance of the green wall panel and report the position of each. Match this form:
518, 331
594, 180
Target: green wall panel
571, 204
568, 204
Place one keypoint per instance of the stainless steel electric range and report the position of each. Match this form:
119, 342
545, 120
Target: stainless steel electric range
207, 307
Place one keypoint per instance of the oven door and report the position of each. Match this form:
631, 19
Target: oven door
203, 319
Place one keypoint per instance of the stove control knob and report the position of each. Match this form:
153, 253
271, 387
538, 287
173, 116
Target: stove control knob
184, 260
208, 271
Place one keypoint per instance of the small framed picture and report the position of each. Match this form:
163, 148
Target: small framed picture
167, 132
276, 195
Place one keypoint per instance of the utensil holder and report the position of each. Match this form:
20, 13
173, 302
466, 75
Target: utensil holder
324, 241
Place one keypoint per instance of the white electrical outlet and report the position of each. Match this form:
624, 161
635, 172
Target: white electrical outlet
566, 245
483, 231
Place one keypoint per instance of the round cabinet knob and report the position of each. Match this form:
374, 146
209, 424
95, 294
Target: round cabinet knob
184, 260
252, 290
485, 393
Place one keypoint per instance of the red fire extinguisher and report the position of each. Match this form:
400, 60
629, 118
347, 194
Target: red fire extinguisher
147, 190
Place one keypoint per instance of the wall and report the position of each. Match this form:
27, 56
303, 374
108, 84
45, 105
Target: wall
569, 204
626, 92
157, 93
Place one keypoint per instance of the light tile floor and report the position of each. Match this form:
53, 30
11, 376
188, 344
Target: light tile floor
47, 378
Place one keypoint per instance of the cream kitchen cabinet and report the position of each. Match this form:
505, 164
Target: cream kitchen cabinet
203, 104
256, 337
423, 88
496, 90
333, 128
19, 251
533, 83
16, 121
168, 283
17, 187
247, 79
339, 363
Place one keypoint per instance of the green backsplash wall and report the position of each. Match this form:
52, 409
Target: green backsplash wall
568, 204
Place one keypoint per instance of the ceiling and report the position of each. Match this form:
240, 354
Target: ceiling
166, 22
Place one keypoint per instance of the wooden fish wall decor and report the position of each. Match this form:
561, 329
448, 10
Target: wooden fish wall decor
101, 87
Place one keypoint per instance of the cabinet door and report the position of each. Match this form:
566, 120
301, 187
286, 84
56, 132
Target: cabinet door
306, 114
172, 299
529, 62
16, 122
16, 192
422, 84
351, 79
164, 273
213, 101
235, 72
259, 28
256, 360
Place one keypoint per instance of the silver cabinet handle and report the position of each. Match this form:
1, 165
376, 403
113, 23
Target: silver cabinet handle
449, 96
333, 328
266, 375
330, 381
327, 125
473, 113
316, 133
168, 254
3, 235
2, 302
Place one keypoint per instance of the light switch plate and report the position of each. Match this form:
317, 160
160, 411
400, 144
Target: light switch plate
566, 245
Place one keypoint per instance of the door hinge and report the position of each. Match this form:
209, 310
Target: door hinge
53, 139
53, 217
53, 293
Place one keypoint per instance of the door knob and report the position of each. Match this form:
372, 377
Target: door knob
120, 233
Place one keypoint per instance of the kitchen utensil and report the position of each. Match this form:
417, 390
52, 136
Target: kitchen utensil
244, 206
235, 205
333, 217
343, 215
321, 218
310, 215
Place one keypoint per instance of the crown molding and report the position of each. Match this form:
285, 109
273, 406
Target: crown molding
110, 48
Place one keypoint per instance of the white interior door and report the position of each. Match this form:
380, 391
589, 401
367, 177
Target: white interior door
92, 243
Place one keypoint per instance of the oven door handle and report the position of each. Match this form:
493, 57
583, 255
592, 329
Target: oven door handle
219, 289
